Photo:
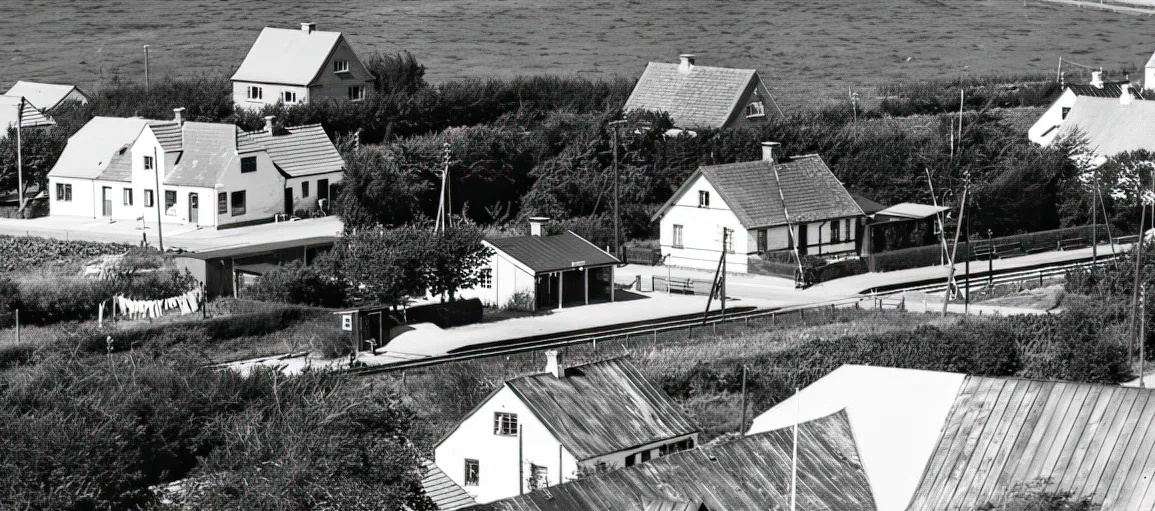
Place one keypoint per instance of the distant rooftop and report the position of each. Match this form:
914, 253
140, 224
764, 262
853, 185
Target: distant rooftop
697, 97
287, 56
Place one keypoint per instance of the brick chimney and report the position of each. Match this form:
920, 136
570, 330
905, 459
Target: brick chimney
269, 122
536, 223
1097, 79
771, 151
686, 62
178, 115
1125, 97
308, 28
554, 364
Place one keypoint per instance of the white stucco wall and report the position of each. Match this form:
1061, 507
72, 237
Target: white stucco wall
83, 198
497, 456
509, 278
1041, 132
702, 232
819, 236
272, 94
301, 202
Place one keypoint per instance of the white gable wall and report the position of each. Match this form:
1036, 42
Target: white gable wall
302, 202
702, 231
497, 456
1044, 130
509, 278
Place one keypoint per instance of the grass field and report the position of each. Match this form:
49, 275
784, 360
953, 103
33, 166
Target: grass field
800, 45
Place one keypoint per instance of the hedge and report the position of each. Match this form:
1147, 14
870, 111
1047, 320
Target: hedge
448, 314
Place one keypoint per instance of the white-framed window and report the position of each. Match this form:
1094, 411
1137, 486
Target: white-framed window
485, 279
63, 192
755, 109
472, 472
340, 66
148, 163
703, 199
149, 199
504, 424
128, 196
170, 202
255, 93
356, 93
678, 233
289, 96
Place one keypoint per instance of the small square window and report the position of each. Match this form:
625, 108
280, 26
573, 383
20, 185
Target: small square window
128, 196
222, 203
63, 192
703, 199
304, 189
238, 201
485, 279
248, 164
356, 93
645, 456
149, 199
472, 472
148, 163
289, 96
340, 66
504, 424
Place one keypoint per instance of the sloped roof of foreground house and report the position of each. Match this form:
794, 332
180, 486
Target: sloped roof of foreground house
445, 493
1111, 127
702, 97
749, 474
599, 408
287, 56
302, 151
751, 189
45, 96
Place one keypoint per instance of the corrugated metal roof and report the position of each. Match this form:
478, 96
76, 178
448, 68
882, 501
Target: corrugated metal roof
32, 117
703, 97
45, 96
602, 408
750, 189
558, 252
304, 151
748, 474
674, 505
444, 493
91, 149
1111, 127
1087, 439
209, 150
287, 56
168, 134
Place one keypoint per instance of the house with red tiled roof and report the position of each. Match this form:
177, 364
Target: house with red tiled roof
198, 173
545, 429
701, 97
768, 205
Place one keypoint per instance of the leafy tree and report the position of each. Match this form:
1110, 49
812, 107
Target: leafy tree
385, 265
379, 189
398, 73
41, 147
456, 259
297, 283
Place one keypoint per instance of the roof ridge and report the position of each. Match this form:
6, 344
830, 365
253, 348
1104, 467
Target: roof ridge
675, 64
575, 366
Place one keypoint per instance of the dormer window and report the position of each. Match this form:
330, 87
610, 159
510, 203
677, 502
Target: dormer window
340, 66
703, 199
755, 109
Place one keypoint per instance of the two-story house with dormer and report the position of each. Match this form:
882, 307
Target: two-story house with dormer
297, 66
701, 97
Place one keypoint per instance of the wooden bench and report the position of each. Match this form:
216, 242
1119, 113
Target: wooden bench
1011, 249
982, 252
684, 286
1073, 243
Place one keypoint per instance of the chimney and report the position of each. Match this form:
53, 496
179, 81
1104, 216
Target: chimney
554, 364
269, 122
535, 225
686, 62
178, 115
1125, 97
770, 151
308, 28
1097, 79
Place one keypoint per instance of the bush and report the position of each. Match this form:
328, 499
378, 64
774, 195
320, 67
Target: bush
300, 284
24, 252
448, 314
520, 301
47, 300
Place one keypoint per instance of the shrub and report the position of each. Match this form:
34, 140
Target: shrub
24, 252
300, 284
520, 301
47, 300
448, 314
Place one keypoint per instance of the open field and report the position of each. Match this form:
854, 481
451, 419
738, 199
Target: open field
802, 47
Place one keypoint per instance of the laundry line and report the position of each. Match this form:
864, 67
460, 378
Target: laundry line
187, 302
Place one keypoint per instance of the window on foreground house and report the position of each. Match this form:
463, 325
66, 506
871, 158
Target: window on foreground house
222, 203
238, 203
678, 229
340, 66
504, 424
290, 96
756, 109
1066, 110
847, 236
248, 164
539, 476
128, 196
631, 460
703, 199
63, 192
148, 163
255, 92
485, 278
170, 202
472, 472
762, 239
356, 93
149, 199
304, 189
836, 231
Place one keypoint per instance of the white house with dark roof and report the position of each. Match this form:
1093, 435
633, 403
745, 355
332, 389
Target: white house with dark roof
1045, 130
1110, 126
701, 97
545, 429
547, 271
209, 174
766, 205
48, 96
297, 66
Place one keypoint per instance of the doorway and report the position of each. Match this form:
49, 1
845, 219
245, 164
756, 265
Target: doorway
106, 195
194, 203
288, 201
801, 239
323, 195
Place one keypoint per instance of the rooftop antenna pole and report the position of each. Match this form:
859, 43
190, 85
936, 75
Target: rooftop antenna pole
146, 69
794, 455
19, 154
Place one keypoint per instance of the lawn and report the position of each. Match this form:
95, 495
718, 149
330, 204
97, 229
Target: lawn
803, 48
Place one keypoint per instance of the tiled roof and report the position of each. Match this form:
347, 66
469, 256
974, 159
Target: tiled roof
544, 254
703, 97
750, 189
1111, 127
752, 473
1090, 440
287, 56
602, 408
444, 493
304, 151
1109, 90
45, 96
32, 117
168, 133
119, 167
868, 206
209, 150
91, 149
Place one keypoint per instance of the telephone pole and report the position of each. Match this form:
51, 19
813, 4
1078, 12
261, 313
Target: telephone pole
617, 193
19, 154
146, 69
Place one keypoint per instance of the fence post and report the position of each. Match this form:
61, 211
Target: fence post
902, 305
